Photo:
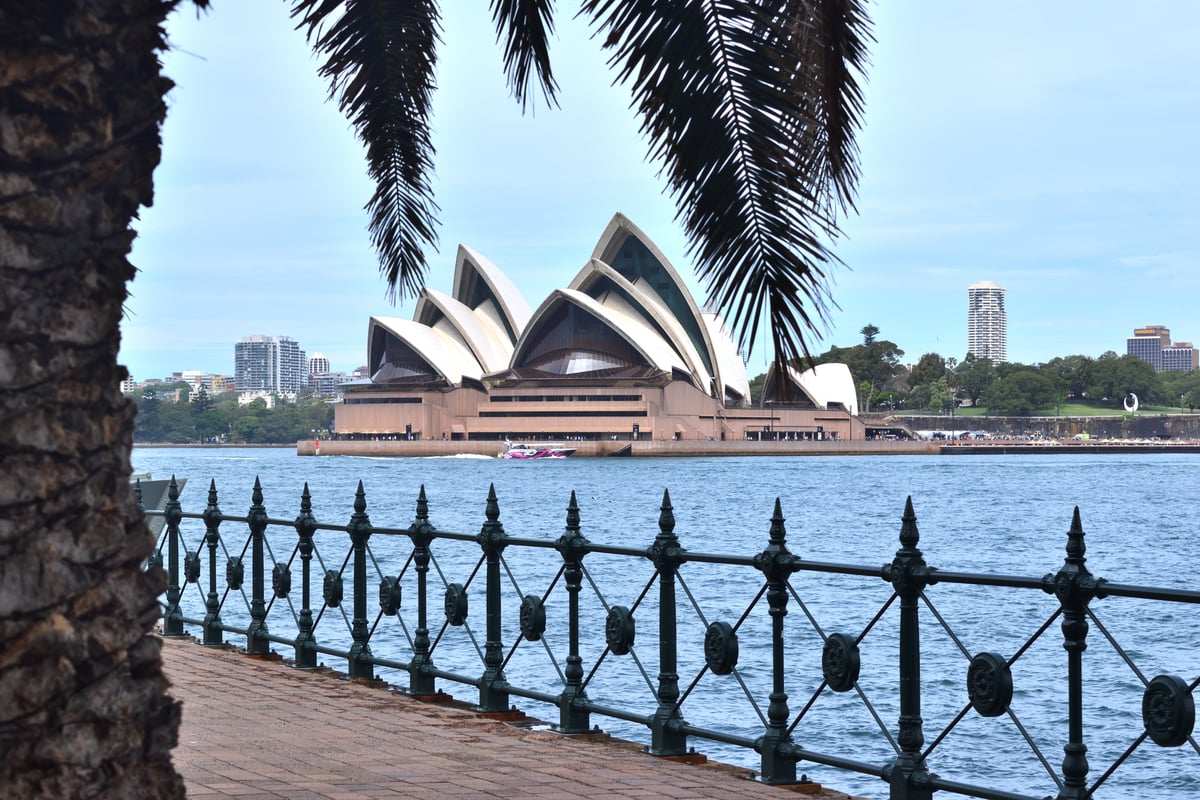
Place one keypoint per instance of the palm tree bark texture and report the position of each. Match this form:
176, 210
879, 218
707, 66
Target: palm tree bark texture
84, 709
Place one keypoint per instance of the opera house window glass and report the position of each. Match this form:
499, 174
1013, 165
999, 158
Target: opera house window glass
634, 261
571, 341
400, 363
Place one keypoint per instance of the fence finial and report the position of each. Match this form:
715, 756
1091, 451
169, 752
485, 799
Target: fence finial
422, 506
666, 516
1075, 546
572, 515
493, 504
909, 535
778, 531
360, 499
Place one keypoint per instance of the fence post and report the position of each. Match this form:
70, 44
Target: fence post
306, 525
172, 513
1074, 587
665, 736
212, 536
492, 694
776, 563
909, 575
360, 531
420, 681
256, 517
573, 547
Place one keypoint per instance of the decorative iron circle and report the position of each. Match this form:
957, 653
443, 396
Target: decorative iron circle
281, 580
989, 684
456, 604
1168, 711
840, 662
721, 648
191, 567
333, 588
235, 573
619, 630
389, 596
533, 618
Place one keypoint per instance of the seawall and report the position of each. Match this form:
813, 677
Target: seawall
678, 449
649, 448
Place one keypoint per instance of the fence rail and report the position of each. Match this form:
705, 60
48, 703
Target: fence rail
390, 626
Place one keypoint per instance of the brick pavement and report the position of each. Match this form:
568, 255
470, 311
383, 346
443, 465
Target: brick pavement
256, 728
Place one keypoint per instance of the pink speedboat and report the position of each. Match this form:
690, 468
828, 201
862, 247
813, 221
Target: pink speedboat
527, 451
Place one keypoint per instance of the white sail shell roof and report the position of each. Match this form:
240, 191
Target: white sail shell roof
486, 328
477, 331
480, 285
657, 352
650, 307
824, 384
730, 366
677, 298
445, 354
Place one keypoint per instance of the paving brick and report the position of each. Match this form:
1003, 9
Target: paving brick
257, 728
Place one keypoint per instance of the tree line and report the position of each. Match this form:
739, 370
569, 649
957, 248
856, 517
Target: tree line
934, 384
221, 419
939, 384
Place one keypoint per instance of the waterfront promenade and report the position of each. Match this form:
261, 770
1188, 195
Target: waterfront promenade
255, 728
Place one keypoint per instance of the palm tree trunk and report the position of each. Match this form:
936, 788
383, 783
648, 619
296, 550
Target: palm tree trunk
83, 704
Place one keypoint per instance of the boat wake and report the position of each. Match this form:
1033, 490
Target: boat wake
472, 456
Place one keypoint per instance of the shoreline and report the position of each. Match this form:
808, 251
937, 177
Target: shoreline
698, 449
680, 449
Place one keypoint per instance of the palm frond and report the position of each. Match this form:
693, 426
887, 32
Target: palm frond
751, 107
380, 59
525, 26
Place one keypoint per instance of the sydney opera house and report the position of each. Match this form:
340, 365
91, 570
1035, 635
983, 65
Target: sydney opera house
623, 352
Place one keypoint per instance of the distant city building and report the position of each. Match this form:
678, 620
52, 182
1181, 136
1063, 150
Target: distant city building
222, 383
987, 322
327, 384
1147, 344
197, 379
1153, 345
246, 398
128, 385
1180, 357
269, 364
318, 364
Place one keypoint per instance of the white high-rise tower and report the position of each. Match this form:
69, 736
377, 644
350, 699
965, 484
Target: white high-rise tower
987, 322
269, 363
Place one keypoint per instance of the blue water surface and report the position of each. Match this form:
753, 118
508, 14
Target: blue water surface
998, 514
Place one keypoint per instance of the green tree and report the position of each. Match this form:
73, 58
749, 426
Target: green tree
941, 397
149, 425
751, 110
928, 369
1114, 378
976, 376
1020, 393
1176, 385
1074, 373
872, 363
919, 398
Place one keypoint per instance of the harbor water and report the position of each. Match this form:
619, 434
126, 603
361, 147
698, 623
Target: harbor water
1006, 514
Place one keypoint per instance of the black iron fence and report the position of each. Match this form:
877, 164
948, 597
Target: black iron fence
391, 628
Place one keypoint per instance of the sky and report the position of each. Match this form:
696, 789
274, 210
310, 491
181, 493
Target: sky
1049, 147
